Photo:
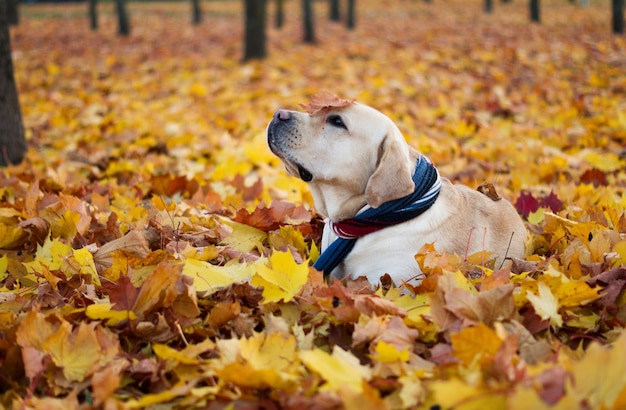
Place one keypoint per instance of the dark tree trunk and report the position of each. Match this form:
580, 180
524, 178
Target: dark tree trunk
255, 18
351, 18
12, 141
307, 15
618, 16
280, 14
488, 6
93, 14
123, 23
506, 1
196, 12
535, 15
12, 13
334, 12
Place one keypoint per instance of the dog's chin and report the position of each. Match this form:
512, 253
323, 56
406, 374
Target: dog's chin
298, 170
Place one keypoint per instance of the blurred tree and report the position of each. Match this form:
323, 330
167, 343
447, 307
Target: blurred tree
12, 141
280, 15
618, 16
488, 6
351, 19
334, 11
123, 24
12, 13
93, 14
534, 11
255, 20
307, 15
196, 12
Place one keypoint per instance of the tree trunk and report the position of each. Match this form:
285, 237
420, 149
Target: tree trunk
534, 11
488, 6
12, 13
334, 12
351, 19
618, 16
12, 141
93, 14
280, 14
196, 12
123, 24
307, 15
255, 17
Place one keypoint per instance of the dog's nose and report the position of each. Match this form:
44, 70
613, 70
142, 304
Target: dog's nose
282, 115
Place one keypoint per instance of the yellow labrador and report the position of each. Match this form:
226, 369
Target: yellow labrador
357, 162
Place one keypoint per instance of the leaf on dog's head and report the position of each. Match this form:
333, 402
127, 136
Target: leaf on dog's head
325, 100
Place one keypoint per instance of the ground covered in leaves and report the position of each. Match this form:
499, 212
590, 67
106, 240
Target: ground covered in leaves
155, 255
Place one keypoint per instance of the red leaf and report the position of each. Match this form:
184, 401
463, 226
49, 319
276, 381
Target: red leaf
552, 202
123, 294
526, 203
594, 176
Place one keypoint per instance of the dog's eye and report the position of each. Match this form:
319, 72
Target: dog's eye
336, 121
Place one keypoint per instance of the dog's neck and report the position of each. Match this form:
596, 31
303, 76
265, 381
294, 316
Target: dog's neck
335, 202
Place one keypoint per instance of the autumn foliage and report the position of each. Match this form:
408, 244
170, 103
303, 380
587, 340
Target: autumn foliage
153, 251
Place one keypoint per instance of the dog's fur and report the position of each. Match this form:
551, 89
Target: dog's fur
355, 156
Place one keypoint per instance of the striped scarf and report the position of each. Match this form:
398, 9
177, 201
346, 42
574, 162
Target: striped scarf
368, 220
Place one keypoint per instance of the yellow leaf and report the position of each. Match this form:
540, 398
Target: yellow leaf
4, 264
151, 400
198, 90
339, 370
244, 238
283, 279
546, 305
158, 289
34, 329
599, 376
211, 278
537, 217
87, 265
457, 395
75, 352
575, 293
475, 344
52, 254
102, 311
388, 353
10, 235
264, 362
605, 161
167, 353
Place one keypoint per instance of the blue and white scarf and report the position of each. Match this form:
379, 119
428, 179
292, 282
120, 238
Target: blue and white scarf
368, 220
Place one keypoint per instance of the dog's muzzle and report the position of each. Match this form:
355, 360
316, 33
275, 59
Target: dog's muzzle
282, 139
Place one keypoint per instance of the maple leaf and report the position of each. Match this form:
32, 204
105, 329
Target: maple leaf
546, 305
325, 100
526, 203
475, 344
552, 202
282, 279
339, 369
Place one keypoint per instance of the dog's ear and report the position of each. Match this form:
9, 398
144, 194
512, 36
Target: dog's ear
392, 178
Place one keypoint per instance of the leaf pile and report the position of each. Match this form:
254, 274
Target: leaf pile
154, 253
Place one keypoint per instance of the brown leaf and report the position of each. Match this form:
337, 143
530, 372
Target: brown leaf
489, 190
325, 100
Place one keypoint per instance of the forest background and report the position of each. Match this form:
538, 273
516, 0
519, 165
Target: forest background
154, 252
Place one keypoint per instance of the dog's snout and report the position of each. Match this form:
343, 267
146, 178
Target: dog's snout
282, 115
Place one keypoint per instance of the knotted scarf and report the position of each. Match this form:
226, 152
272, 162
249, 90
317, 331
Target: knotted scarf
368, 220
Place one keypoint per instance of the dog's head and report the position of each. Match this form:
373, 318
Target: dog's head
350, 156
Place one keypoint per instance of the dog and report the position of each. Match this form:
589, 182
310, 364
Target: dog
357, 164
